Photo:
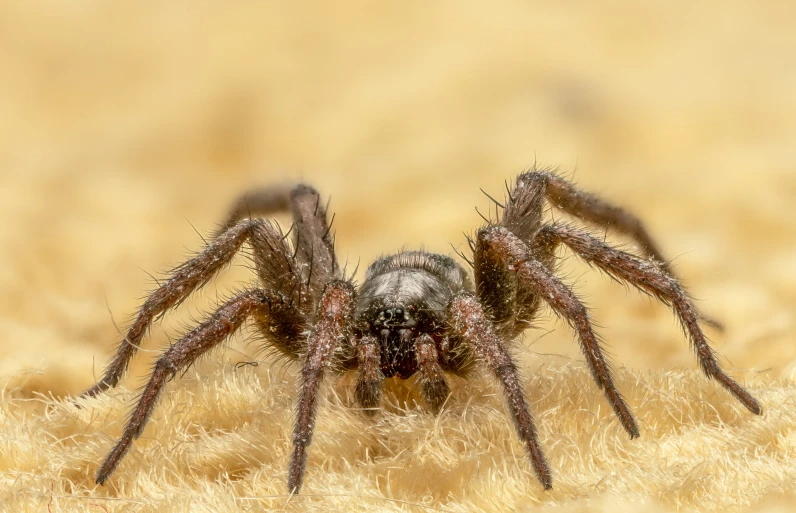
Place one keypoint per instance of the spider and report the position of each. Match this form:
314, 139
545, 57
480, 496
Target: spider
415, 313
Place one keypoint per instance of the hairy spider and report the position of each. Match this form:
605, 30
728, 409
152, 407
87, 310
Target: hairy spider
415, 313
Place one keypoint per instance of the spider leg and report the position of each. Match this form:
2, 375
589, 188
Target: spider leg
497, 244
303, 274
335, 311
649, 277
468, 320
313, 240
184, 280
312, 237
258, 203
370, 378
580, 204
523, 213
511, 308
225, 321
432, 379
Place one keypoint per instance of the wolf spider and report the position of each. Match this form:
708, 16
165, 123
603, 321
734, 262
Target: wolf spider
415, 313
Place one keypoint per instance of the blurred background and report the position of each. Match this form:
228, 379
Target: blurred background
128, 127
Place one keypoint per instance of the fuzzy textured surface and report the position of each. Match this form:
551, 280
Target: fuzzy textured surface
125, 125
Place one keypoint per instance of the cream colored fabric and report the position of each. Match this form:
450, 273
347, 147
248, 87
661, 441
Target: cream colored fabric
124, 126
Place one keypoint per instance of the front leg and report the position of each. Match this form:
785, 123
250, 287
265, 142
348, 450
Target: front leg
333, 324
467, 320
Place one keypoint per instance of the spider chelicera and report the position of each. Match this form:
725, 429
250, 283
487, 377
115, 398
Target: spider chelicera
416, 313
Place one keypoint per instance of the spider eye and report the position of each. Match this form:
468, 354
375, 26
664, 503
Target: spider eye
397, 316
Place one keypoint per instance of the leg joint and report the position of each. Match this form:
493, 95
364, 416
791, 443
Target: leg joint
535, 176
249, 225
167, 363
303, 189
489, 233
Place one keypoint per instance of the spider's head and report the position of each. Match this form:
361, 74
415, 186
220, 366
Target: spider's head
409, 291
397, 310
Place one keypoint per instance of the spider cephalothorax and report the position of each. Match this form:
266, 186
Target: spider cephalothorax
416, 313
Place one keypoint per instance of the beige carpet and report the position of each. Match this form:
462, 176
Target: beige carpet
128, 127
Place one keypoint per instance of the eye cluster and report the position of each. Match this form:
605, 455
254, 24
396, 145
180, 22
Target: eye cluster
394, 317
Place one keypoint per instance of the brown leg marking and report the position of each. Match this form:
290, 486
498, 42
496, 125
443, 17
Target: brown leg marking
541, 280
467, 319
650, 278
331, 327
